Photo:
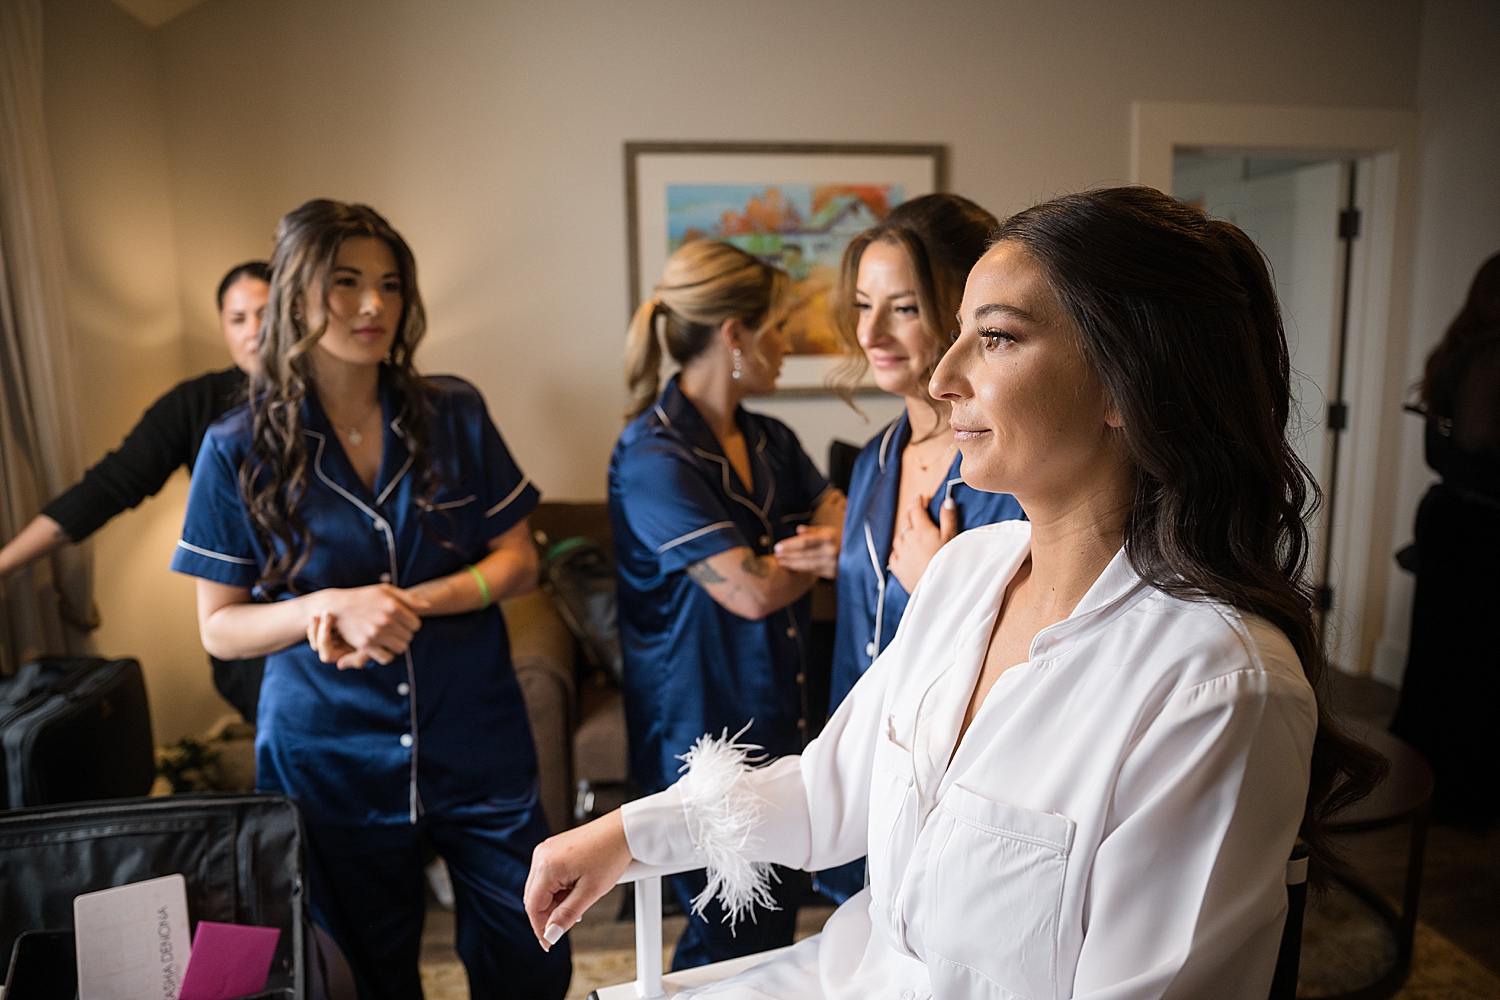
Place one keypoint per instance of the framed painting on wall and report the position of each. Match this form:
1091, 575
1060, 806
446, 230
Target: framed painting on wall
794, 205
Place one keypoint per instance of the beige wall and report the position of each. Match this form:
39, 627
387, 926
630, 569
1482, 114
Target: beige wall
107, 135
491, 135
1458, 228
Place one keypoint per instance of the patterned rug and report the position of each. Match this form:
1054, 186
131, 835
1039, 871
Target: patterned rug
1442, 971
445, 980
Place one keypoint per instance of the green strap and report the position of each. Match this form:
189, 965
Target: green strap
565, 546
484, 588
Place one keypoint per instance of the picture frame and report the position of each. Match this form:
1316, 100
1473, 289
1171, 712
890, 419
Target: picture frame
794, 204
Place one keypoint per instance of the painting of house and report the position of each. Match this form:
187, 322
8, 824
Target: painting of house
801, 228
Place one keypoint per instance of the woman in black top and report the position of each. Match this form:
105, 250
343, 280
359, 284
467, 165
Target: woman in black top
1452, 684
166, 438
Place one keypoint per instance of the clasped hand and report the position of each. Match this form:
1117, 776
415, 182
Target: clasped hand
814, 549
353, 626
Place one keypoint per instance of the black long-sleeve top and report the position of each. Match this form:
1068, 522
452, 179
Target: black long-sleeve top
168, 436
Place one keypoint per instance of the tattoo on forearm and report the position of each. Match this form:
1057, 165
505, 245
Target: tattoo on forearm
756, 565
703, 573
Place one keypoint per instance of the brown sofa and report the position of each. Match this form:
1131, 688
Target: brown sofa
578, 726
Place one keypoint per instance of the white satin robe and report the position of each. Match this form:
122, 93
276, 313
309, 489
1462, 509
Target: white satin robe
1115, 823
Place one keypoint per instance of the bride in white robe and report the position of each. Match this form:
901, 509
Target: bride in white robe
1070, 781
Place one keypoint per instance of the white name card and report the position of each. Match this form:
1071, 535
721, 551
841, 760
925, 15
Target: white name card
132, 940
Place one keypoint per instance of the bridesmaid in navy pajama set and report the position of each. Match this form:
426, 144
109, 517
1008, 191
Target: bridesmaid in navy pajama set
721, 526
357, 523
900, 286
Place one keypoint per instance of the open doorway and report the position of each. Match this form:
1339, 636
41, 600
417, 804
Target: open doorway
1303, 213
1384, 144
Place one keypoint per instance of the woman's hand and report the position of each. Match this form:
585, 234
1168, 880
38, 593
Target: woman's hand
351, 627
570, 872
330, 646
39, 538
814, 549
917, 539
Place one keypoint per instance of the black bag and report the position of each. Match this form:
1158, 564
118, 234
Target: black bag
75, 728
241, 855
580, 577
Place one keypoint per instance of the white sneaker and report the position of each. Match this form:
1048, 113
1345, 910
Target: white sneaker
441, 883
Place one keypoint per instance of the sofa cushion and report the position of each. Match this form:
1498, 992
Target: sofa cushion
542, 653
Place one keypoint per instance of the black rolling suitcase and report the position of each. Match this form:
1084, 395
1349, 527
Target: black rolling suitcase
75, 728
241, 855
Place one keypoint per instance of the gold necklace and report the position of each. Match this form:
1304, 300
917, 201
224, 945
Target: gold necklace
924, 466
352, 431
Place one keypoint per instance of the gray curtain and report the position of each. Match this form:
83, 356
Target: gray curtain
49, 607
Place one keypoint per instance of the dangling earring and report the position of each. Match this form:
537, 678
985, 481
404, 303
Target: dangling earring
736, 372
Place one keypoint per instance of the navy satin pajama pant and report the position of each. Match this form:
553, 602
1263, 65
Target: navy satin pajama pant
367, 890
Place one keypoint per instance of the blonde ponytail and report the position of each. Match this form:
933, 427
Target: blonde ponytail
704, 283
643, 359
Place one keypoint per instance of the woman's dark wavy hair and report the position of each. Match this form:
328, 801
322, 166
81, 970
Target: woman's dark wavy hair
1178, 317
943, 237
274, 476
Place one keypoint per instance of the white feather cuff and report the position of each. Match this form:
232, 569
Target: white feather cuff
722, 812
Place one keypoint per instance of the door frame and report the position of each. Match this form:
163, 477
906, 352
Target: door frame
1386, 141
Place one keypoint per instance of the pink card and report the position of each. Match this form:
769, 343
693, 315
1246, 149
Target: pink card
228, 960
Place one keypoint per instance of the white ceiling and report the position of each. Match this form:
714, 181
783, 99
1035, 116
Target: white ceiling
155, 13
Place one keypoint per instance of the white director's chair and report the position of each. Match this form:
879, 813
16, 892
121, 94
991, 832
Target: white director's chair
649, 981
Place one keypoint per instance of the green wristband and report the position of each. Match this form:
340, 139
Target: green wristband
484, 588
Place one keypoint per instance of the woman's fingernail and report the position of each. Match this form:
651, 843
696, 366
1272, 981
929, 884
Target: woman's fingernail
552, 934
950, 504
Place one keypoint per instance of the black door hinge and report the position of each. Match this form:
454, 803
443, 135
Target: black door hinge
1349, 224
1338, 416
1323, 597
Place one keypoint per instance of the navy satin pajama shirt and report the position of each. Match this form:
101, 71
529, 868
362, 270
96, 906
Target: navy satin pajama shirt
871, 599
691, 666
434, 744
